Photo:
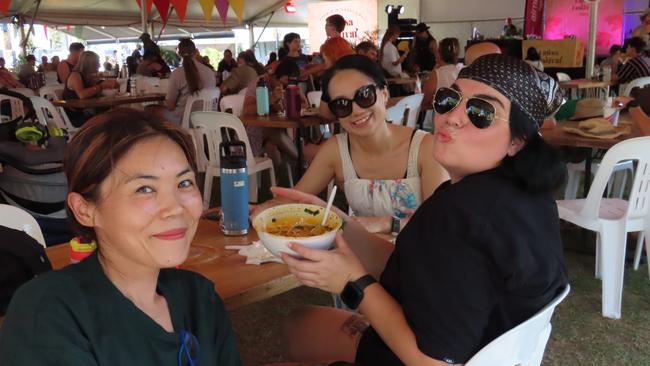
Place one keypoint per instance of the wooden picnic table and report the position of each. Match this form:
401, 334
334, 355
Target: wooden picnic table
237, 283
584, 84
401, 81
109, 101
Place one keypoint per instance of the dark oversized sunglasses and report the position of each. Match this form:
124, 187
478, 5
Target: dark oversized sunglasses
365, 97
479, 111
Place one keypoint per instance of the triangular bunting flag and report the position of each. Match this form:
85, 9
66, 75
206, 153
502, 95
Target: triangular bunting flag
207, 6
222, 8
67, 28
45, 30
163, 8
4, 6
238, 7
78, 31
149, 2
180, 6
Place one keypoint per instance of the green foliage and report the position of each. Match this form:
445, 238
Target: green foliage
214, 54
170, 57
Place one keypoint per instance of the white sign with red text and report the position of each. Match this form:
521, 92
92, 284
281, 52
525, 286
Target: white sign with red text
360, 21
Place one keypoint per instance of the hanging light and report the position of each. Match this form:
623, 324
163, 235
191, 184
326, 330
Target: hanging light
290, 7
400, 9
389, 9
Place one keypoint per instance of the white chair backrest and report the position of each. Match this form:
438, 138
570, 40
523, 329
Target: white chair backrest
636, 83
18, 219
314, 98
523, 344
51, 78
209, 125
52, 92
234, 102
17, 108
47, 113
632, 149
206, 99
24, 91
395, 114
412, 105
562, 76
242, 92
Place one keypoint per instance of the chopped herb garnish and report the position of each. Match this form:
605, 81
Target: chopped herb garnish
313, 213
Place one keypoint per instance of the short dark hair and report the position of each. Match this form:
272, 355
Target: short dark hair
358, 63
76, 46
532, 54
31, 58
287, 68
615, 48
449, 49
637, 43
288, 38
365, 46
337, 21
227, 50
99, 145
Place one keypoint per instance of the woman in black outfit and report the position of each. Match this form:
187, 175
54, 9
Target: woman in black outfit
478, 257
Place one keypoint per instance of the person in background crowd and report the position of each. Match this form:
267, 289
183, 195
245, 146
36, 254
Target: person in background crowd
534, 59
615, 54
422, 59
638, 106
227, 64
509, 29
206, 61
54, 65
149, 66
637, 65
334, 47
368, 49
83, 83
108, 65
480, 49
131, 65
273, 57
66, 66
132, 189
251, 60
27, 70
44, 66
149, 46
292, 45
643, 30
7, 80
445, 73
241, 76
186, 80
480, 256
391, 61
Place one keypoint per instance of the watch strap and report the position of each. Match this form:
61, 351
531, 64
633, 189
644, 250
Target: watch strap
364, 282
394, 225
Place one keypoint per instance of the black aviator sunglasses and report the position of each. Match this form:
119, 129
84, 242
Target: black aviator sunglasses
365, 97
479, 111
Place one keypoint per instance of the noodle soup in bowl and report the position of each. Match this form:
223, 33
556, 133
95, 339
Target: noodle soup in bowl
296, 223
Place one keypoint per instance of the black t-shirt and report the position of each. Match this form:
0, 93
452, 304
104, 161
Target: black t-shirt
226, 66
76, 316
476, 259
423, 55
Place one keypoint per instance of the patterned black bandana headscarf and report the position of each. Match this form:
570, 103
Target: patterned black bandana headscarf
535, 93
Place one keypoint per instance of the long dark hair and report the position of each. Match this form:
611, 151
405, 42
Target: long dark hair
288, 38
187, 51
391, 31
449, 49
359, 63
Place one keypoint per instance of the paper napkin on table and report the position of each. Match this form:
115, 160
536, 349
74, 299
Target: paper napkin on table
255, 253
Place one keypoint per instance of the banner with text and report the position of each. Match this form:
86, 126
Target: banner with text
566, 18
360, 21
534, 19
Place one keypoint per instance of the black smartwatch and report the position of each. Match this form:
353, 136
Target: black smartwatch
352, 293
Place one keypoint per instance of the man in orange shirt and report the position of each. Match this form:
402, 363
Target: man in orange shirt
334, 47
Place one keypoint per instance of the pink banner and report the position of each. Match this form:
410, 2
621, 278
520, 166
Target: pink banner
222, 8
534, 20
571, 17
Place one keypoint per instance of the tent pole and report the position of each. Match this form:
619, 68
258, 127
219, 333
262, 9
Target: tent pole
23, 40
251, 36
164, 24
591, 47
25, 37
143, 16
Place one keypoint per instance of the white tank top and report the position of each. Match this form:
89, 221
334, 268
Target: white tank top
382, 197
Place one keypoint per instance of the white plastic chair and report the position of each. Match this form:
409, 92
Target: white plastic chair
562, 76
51, 92
18, 219
24, 91
522, 345
395, 114
409, 108
51, 78
17, 109
314, 98
616, 186
51, 116
613, 218
206, 98
234, 103
208, 126
636, 83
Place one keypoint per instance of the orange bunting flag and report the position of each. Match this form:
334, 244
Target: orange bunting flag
4, 6
222, 8
181, 7
163, 9
207, 6
149, 2
238, 7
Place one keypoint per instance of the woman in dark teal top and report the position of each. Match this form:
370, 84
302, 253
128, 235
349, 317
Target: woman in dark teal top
132, 189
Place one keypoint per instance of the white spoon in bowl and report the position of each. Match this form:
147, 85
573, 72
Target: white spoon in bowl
330, 200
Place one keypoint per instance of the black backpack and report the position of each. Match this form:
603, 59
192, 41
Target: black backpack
21, 259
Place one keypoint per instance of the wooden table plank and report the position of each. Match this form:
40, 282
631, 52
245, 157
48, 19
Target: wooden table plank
237, 283
109, 101
558, 137
584, 84
277, 121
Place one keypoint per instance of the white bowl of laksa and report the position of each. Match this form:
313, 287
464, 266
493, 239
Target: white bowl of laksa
296, 223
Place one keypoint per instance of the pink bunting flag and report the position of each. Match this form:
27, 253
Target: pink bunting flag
181, 7
163, 9
45, 30
207, 6
222, 8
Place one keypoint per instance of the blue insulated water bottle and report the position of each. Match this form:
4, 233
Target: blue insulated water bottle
234, 188
262, 96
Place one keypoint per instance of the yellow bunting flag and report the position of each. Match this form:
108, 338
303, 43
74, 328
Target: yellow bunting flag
238, 7
181, 7
207, 6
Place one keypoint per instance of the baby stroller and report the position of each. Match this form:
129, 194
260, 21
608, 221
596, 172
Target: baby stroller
32, 177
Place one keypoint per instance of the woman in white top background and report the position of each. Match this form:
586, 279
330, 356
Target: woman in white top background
446, 71
391, 61
386, 170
